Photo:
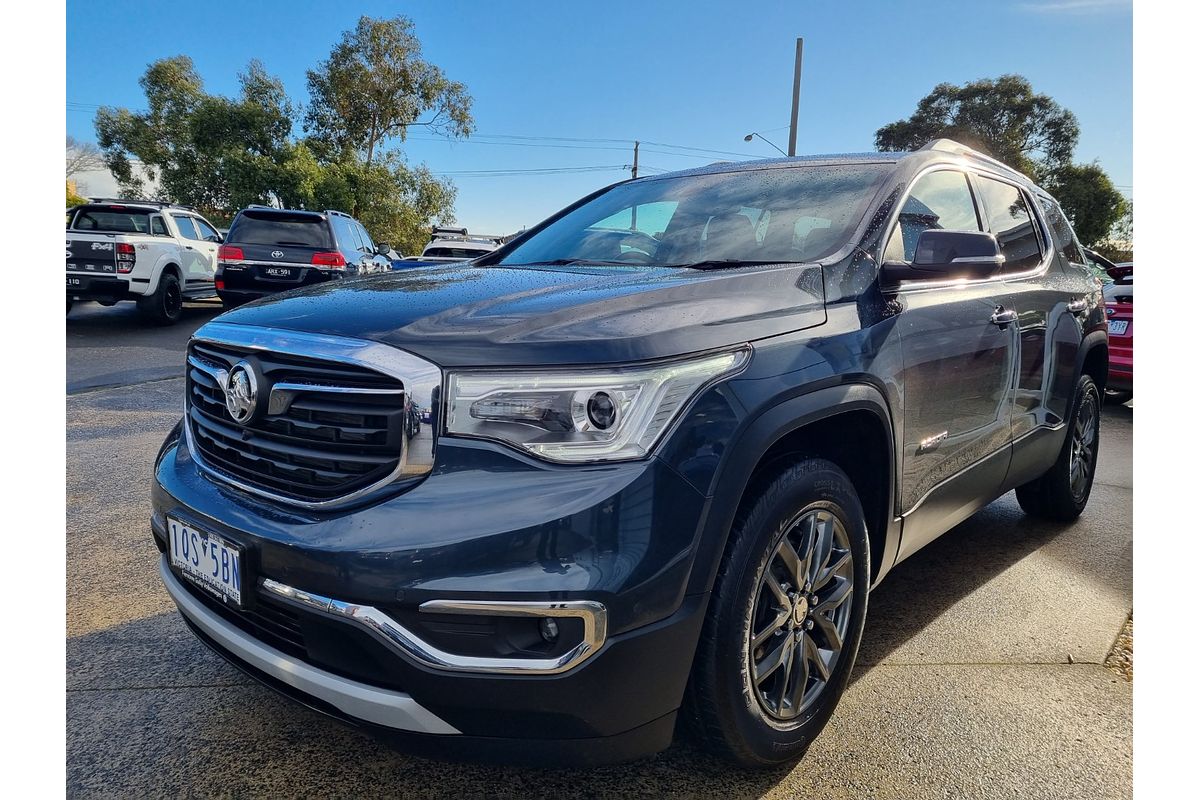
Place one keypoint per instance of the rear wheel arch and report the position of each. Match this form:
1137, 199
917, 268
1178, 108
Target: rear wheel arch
1093, 359
848, 424
168, 267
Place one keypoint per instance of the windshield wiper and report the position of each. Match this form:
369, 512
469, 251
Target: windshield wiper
726, 263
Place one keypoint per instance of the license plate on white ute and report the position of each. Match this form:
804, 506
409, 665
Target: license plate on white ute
207, 560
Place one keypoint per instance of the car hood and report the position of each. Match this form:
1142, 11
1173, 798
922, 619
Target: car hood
465, 315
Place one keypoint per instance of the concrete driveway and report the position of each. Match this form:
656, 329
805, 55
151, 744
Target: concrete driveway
981, 673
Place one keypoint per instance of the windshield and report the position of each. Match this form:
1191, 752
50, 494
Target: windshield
790, 214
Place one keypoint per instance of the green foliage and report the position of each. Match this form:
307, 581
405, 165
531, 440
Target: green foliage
375, 84
1088, 198
1030, 132
222, 154
1001, 117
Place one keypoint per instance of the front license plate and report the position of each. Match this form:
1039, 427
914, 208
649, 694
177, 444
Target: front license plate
1117, 327
208, 560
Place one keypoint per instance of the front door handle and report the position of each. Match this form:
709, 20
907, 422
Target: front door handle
1003, 316
1077, 306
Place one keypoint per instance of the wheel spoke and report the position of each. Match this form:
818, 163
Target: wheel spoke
777, 590
813, 654
791, 559
823, 546
766, 667
834, 570
780, 620
832, 600
800, 683
830, 631
781, 695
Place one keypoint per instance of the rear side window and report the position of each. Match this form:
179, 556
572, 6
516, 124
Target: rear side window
367, 244
297, 230
1068, 245
347, 237
113, 220
186, 228
158, 226
938, 201
1012, 224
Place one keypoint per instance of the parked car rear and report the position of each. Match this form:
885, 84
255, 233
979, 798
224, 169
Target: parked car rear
1118, 305
269, 250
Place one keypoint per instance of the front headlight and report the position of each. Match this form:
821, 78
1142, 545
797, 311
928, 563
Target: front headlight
580, 415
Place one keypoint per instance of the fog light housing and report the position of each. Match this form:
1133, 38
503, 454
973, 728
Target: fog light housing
549, 630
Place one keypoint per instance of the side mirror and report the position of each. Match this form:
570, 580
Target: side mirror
945, 255
381, 249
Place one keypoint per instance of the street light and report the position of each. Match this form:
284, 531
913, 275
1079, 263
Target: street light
750, 137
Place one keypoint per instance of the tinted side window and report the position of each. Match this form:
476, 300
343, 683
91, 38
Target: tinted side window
158, 226
1068, 245
364, 237
940, 200
1015, 229
207, 232
344, 231
186, 228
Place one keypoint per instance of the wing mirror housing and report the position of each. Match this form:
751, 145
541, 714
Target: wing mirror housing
381, 249
949, 255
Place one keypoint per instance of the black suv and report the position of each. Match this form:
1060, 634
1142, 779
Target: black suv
268, 250
675, 434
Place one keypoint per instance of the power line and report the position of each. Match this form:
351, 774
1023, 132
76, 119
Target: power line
501, 173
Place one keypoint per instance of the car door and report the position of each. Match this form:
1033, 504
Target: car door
958, 345
195, 269
207, 247
379, 263
1042, 269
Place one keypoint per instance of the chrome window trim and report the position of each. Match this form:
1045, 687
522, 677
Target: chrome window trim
412, 370
408, 644
971, 171
385, 707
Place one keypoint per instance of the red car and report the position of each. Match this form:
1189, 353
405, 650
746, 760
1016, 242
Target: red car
1118, 302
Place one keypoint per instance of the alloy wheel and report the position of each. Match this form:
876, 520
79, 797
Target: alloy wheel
801, 614
1083, 446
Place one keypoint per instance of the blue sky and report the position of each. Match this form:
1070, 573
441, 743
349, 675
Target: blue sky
693, 74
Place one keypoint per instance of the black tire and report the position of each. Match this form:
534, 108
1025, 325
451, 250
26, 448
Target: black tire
726, 705
165, 306
1061, 493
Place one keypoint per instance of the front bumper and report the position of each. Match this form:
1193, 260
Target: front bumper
487, 525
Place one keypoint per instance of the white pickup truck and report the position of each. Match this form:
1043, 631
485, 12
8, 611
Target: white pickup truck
155, 253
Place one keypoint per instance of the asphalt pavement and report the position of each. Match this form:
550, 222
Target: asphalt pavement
981, 672
114, 346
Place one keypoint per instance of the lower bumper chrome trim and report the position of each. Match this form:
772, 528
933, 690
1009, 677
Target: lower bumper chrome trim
379, 706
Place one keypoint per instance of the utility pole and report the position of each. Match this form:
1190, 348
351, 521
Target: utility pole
796, 96
633, 211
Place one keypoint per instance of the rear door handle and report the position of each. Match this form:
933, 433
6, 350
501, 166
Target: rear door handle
188, 247
1003, 316
1077, 306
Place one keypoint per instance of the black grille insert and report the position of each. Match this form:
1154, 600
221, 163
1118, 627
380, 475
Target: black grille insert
330, 441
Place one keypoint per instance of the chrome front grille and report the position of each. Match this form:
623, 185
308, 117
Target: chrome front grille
325, 428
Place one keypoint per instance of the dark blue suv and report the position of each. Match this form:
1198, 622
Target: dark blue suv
638, 467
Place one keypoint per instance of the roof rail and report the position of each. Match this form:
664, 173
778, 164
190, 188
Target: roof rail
129, 202
951, 146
